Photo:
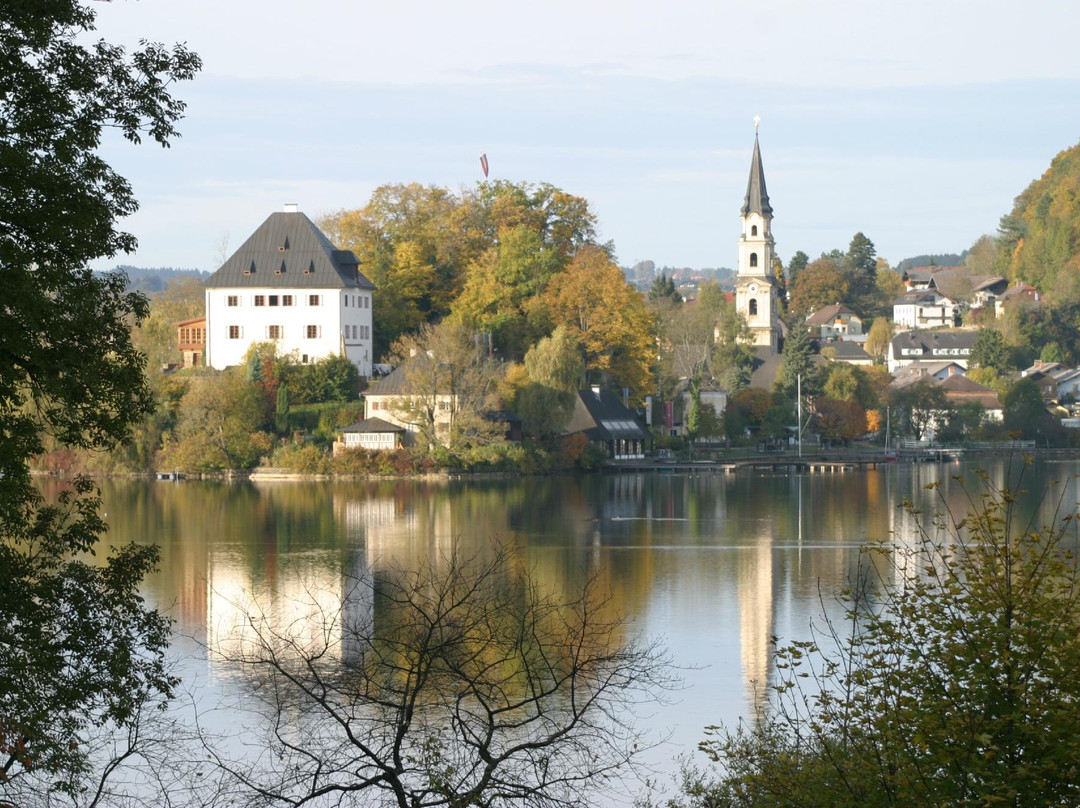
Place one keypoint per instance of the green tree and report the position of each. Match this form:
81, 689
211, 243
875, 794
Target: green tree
281, 410
796, 265
954, 680
796, 361
556, 372
80, 654
990, 351
920, 405
663, 289
1025, 414
219, 425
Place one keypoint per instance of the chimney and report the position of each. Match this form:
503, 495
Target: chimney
292, 207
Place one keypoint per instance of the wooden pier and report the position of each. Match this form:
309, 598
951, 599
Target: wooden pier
785, 464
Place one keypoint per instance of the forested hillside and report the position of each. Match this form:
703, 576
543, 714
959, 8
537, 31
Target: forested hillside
1040, 237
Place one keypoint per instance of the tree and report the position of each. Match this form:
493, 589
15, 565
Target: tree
990, 351
281, 410
219, 425
663, 290
820, 284
953, 681
607, 315
79, 652
1025, 414
840, 420
879, 338
499, 286
796, 265
556, 372
462, 682
797, 361
450, 382
920, 405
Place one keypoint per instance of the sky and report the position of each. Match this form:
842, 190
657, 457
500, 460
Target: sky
916, 122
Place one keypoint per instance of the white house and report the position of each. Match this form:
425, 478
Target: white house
926, 308
289, 285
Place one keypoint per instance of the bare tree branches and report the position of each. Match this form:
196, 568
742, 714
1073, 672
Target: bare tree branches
464, 683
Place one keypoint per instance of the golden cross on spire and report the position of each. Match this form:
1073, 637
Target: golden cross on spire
757, 123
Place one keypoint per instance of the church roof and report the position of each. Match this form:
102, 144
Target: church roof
757, 198
288, 250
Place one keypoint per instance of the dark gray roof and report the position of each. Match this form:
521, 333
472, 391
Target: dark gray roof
757, 198
848, 351
372, 425
931, 343
288, 250
602, 416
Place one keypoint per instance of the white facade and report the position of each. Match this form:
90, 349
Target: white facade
929, 309
287, 284
309, 323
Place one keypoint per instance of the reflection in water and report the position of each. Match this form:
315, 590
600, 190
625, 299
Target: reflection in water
715, 564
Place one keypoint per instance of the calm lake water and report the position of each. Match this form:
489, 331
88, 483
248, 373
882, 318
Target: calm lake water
715, 565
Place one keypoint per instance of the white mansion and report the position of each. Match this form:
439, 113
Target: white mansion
289, 285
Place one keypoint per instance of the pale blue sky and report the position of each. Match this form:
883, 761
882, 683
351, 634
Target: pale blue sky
914, 121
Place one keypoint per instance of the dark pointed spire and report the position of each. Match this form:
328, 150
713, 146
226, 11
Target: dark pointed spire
757, 198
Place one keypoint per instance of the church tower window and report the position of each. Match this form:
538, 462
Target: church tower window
753, 307
753, 259
753, 230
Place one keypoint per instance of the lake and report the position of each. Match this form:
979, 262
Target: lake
714, 564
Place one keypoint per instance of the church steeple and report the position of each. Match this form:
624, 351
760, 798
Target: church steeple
757, 198
757, 296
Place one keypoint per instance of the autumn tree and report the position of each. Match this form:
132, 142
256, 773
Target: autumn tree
839, 420
501, 285
822, 283
220, 425
461, 682
1039, 239
449, 384
81, 656
878, 339
608, 317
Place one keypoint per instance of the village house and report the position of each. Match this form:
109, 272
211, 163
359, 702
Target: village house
912, 346
1023, 293
287, 284
191, 339
371, 433
835, 321
926, 308
608, 423
959, 389
988, 291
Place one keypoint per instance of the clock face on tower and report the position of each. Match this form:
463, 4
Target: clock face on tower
753, 288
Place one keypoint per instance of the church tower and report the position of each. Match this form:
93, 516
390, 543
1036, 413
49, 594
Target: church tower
757, 294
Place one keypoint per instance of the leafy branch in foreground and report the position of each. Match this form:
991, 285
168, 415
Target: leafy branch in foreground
954, 681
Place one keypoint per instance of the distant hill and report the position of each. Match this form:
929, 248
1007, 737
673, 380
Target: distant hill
642, 274
155, 279
1039, 239
942, 260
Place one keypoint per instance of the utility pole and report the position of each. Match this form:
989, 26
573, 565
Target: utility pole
798, 407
